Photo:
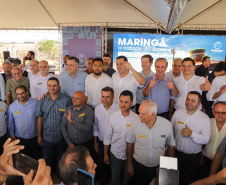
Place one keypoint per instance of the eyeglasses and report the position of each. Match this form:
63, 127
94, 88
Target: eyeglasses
218, 113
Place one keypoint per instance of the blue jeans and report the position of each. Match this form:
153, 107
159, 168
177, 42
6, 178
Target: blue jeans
52, 152
119, 171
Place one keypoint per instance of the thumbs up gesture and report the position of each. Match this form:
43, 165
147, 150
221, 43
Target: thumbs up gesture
170, 84
186, 132
152, 82
207, 84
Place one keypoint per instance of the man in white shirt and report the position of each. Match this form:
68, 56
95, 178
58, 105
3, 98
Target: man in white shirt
95, 82
218, 89
126, 80
218, 131
148, 139
102, 113
175, 72
146, 63
118, 126
192, 129
34, 72
40, 83
189, 82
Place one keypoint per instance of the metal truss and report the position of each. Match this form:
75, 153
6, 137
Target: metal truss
104, 40
203, 27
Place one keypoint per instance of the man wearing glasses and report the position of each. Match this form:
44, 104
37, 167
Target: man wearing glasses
22, 123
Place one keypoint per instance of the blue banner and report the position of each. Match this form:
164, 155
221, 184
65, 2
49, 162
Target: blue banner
133, 46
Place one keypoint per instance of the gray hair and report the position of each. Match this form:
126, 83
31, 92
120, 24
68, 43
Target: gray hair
7, 62
152, 105
159, 59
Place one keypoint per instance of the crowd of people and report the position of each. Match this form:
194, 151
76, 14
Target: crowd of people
124, 120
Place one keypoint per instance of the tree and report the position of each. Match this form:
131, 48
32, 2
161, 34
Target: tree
48, 46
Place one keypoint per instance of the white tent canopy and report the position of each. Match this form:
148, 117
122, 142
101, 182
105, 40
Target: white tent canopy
166, 15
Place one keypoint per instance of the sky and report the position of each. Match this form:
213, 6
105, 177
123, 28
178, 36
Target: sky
20, 36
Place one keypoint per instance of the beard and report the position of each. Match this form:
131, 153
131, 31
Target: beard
98, 74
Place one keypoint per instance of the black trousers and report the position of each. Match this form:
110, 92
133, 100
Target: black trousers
188, 165
142, 174
31, 147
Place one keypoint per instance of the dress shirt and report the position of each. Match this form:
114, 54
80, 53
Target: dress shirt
27, 66
2, 88
222, 151
139, 93
216, 85
52, 113
110, 71
160, 93
202, 70
170, 74
21, 119
40, 86
81, 130
116, 132
150, 144
215, 139
94, 86
32, 77
3, 114
12, 84
71, 85
101, 119
128, 82
199, 124
6, 77
64, 67
184, 87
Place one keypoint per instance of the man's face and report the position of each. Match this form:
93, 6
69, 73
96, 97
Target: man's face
34, 66
14, 65
65, 59
144, 114
7, 69
207, 62
219, 113
17, 74
53, 87
97, 68
72, 67
44, 67
160, 68
120, 65
89, 64
78, 100
107, 60
107, 98
21, 95
125, 103
29, 56
192, 102
188, 68
177, 66
91, 166
146, 65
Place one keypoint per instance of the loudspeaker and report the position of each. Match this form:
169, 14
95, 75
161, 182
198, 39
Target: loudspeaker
6, 55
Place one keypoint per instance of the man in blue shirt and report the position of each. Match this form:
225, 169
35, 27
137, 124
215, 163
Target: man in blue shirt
22, 123
50, 112
159, 88
72, 80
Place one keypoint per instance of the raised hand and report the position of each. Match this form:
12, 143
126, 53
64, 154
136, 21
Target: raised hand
207, 84
170, 84
186, 132
152, 82
69, 118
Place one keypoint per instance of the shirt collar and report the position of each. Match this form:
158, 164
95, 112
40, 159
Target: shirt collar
58, 97
80, 108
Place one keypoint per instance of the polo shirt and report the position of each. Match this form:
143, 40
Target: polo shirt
184, 87
12, 84
139, 93
3, 114
101, 119
216, 85
81, 130
200, 125
71, 85
215, 139
116, 132
94, 86
110, 71
128, 82
150, 144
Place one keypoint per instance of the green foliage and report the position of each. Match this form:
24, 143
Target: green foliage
47, 45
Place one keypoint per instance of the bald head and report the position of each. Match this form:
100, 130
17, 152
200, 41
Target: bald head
34, 66
44, 68
78, 99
